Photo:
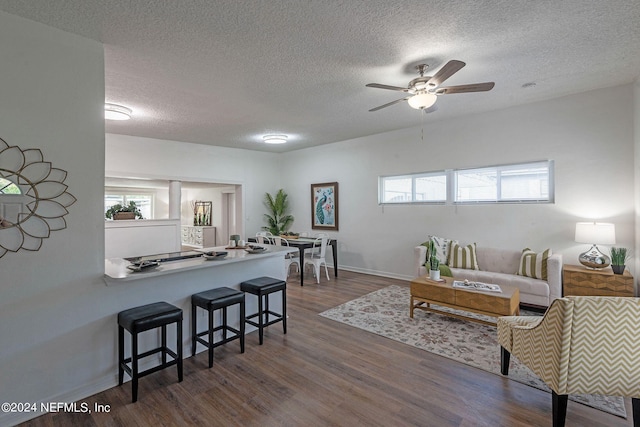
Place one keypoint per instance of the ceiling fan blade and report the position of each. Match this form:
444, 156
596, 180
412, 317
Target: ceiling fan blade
379, 86
473, 87
449, 69
389, 104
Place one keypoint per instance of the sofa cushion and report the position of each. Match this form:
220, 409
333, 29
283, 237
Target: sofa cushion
498, 260
463, 257
534, 264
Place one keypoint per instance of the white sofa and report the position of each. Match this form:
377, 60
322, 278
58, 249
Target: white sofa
499, 266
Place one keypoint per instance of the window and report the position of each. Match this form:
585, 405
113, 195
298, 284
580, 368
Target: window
416, 188
143, 201
8, 187
527, 182
476, 184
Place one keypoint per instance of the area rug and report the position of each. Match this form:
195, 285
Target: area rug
386, 312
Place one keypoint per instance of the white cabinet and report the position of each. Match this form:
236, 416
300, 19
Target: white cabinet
201, 237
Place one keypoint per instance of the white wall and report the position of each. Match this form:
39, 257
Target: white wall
255, 171
589, 136
52, 315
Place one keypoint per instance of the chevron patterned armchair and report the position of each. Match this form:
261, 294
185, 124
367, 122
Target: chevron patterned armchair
582, 345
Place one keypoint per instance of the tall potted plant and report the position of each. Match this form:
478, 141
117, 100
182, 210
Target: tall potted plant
278, 218
619, 257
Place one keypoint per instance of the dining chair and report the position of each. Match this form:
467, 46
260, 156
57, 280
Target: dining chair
290, 258
317, 258
315, 250
264, 237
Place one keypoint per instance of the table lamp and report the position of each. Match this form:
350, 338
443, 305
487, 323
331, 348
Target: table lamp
595, 233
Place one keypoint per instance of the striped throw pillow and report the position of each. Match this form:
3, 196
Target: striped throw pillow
463, 257
534, 264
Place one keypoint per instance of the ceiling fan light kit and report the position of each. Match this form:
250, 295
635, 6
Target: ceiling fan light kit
424, 90
422, 100
116, 112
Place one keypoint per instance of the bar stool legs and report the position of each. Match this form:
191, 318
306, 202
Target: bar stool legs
263, 287
216, 299
144, 318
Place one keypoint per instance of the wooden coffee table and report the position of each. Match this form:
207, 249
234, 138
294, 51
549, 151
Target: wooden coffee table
494, 304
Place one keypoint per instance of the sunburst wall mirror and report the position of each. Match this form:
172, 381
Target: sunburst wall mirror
33, 199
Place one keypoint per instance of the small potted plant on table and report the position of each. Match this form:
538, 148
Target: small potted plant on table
434, 263
619, 257
119, 212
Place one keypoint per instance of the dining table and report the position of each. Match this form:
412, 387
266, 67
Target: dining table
303, 243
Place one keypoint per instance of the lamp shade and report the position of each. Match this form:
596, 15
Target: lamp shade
596, 233
422, 100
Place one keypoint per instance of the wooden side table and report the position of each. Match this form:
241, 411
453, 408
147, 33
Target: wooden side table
579, 280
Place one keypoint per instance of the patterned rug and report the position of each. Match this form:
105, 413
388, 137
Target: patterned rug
386, 312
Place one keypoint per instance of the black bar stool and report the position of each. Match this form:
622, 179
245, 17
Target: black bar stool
263, 287
215, 299
144, 318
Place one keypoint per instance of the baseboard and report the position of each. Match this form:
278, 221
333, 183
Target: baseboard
375, 272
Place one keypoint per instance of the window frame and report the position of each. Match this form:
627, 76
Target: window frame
451, 182
413, 177
11, 184
128, 192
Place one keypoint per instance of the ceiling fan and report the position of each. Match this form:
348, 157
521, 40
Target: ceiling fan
423, 90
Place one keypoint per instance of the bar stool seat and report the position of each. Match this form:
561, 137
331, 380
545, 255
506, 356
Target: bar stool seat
212, 300
262, 287
144, 318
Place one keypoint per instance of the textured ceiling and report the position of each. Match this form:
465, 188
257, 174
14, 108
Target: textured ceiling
226, 72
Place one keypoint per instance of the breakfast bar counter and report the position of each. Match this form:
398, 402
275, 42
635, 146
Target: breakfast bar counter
117, 269
179, 275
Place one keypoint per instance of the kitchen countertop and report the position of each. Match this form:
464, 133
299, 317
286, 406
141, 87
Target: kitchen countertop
116, 270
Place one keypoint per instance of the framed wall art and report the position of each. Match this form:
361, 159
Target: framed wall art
324, 206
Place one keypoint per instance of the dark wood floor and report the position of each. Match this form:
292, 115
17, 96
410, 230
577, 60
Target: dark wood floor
326, 373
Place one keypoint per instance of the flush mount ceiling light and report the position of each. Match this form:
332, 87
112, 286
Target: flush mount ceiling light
116, 112
423, 100
275, 139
